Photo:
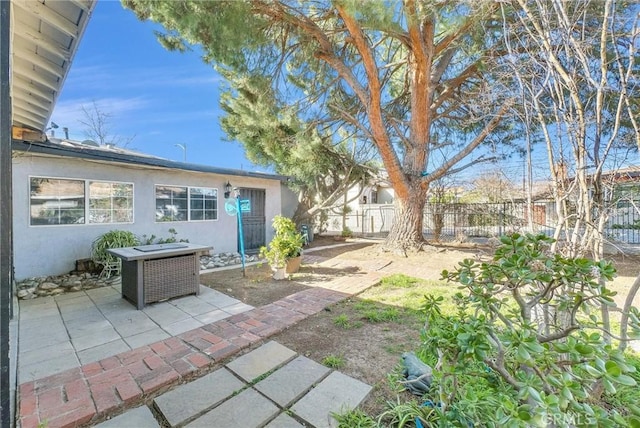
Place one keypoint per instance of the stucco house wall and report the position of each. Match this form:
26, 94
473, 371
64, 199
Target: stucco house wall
53, 249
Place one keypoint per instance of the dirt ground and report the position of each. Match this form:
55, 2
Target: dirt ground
368, 351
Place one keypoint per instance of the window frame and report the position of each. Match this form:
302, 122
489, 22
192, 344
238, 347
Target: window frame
29, 205
85, 182
188, 188
155, 202
204, 200
133, 193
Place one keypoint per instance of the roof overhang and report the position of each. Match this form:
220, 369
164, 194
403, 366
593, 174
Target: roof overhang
138, 160
44, 38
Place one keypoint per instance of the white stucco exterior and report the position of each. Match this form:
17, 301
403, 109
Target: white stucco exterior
53, 249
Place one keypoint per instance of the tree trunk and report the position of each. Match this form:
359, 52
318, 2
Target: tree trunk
438, 220
406, 231
301, 215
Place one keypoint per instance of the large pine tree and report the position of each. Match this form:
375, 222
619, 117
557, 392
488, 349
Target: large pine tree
408, 77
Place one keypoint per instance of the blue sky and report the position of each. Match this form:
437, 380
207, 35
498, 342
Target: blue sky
163, 98
160, 98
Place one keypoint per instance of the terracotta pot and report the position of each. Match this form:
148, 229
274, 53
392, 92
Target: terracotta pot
293, 265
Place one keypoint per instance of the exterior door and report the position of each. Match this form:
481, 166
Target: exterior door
254, 221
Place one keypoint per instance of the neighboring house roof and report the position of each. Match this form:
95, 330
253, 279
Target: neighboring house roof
624, 175
44, 40
113, 154
630, 174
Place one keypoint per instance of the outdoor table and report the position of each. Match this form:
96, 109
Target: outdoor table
152, 273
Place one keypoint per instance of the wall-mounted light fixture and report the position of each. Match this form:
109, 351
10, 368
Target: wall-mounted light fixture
227, 190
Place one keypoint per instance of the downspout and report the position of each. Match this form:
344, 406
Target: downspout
6, 258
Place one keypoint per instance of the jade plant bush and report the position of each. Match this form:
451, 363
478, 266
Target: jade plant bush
285, 245
109, 240
527, 346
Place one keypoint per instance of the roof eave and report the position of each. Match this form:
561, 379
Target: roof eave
143, 161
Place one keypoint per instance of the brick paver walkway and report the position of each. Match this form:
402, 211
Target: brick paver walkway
89, 393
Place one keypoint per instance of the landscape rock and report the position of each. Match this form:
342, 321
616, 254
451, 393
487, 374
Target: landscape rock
48, 286
31, 288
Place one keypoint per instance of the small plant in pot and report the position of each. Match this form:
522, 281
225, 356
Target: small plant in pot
284, 252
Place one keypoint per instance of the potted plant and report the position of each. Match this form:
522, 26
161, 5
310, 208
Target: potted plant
284, 253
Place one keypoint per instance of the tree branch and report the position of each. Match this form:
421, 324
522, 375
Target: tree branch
441, 171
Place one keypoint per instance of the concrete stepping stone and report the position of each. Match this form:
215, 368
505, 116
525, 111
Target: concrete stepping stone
248, 409
194, 398
290, 382
140, 417
337, 393
261, 360
284, 421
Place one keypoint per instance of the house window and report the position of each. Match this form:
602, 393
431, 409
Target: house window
171, 203
56, 201
182, 203
110, 202
203, 203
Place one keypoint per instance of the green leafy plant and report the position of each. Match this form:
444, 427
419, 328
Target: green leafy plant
354, 418
285, 245
109, 240
527, 330
405, 413
346, 233
155, 240
333, 361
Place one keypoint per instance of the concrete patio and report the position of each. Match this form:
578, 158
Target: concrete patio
90, 356
69, 330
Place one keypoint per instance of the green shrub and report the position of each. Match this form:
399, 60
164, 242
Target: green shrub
524, 348
109, 240
346, 233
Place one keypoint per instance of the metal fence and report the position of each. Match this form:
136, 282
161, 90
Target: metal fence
447, 222
624, 222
